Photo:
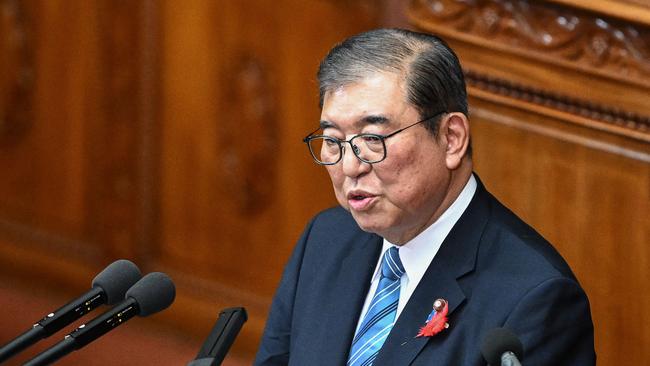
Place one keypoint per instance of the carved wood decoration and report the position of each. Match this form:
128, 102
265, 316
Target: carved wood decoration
559, 36
610, 115
16, 71
602, 45
249, 139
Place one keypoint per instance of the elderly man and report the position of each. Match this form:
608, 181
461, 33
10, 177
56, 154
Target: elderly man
419, 262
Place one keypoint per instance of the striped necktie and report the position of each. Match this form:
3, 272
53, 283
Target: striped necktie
380, 317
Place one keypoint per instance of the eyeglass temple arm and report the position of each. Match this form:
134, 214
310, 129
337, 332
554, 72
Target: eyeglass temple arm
311, 133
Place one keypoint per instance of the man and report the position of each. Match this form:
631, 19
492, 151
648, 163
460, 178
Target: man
419, 263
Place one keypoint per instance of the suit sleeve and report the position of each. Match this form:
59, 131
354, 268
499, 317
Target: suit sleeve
276, 341
554, 324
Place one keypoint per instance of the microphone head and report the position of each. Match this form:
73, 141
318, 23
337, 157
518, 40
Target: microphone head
116, 279
153, 293
499, 341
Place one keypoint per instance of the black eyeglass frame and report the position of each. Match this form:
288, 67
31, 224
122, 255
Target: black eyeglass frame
355, 149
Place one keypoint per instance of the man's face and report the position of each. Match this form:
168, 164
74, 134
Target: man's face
400, 196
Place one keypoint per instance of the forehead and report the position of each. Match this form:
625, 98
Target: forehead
379, 94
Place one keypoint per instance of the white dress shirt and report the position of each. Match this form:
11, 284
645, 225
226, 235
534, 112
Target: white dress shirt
417, 254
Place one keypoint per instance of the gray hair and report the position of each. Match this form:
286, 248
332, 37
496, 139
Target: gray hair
434, 78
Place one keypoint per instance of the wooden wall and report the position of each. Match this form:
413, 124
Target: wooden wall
560, 118
168, 132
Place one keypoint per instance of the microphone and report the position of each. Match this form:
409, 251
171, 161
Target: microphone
108, 287
221, 337
502, 347
153, 293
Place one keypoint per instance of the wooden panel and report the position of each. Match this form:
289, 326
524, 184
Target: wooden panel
561, 133
73, 126
71, 188
591, 198
72, 192
42, 203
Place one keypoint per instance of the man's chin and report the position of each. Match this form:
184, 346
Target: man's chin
366, 222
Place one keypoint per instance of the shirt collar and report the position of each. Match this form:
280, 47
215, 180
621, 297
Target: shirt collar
417, 254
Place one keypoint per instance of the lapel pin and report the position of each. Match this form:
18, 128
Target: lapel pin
437, 319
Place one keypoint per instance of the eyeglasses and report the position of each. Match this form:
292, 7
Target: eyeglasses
368, 147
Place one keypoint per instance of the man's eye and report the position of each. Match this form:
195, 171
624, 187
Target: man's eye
371, 139
330, 142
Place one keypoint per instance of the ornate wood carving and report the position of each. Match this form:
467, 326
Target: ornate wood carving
558, 35
249, 140
16, 71
605, 45
584, 108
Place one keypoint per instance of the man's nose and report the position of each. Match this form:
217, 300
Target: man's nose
352, 166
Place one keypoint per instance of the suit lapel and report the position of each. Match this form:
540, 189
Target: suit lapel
348, 294
402, 344
456, 257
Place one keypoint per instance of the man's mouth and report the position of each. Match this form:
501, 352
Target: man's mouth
360, 201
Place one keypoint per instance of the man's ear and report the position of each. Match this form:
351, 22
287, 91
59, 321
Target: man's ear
455, 130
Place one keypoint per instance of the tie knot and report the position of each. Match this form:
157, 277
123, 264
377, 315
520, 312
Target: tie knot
391, 265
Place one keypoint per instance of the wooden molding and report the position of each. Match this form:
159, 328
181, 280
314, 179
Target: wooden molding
632, 10
634, 151
16, 234
581, 111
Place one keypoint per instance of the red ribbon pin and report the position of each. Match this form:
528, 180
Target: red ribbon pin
437, 320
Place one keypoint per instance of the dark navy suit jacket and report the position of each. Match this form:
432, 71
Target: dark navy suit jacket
493, 269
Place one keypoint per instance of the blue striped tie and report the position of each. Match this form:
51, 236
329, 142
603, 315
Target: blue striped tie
380, 316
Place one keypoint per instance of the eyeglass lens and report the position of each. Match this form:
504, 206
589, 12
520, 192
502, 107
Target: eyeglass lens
327, 150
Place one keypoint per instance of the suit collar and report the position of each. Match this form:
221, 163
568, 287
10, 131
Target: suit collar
456, 258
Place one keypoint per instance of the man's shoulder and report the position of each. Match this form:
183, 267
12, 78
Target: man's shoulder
334, 228
335, 218
517, 239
